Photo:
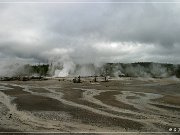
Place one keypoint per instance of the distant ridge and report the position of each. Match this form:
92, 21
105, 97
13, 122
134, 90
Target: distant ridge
137, 69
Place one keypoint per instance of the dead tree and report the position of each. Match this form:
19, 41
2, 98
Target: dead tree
95, 78
79, 79
75, 80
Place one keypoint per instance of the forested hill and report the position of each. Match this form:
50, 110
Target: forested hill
143, 69
139, 69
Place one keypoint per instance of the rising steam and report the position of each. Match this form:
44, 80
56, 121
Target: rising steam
61, 67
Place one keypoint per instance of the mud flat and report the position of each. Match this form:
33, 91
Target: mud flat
169, 99
122, 105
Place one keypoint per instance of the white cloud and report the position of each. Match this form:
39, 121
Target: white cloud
91, 32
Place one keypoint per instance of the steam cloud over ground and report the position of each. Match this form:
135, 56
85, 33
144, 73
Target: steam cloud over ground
83, 33
92, 66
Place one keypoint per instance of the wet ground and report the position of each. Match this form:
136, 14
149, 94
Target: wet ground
133, 105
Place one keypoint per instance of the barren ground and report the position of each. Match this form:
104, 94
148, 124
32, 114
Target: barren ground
122, 105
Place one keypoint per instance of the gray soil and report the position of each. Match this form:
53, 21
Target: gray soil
126, 105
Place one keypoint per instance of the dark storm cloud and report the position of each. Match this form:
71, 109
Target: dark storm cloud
90, 32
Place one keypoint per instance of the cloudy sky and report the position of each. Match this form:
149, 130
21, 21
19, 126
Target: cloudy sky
90, 32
